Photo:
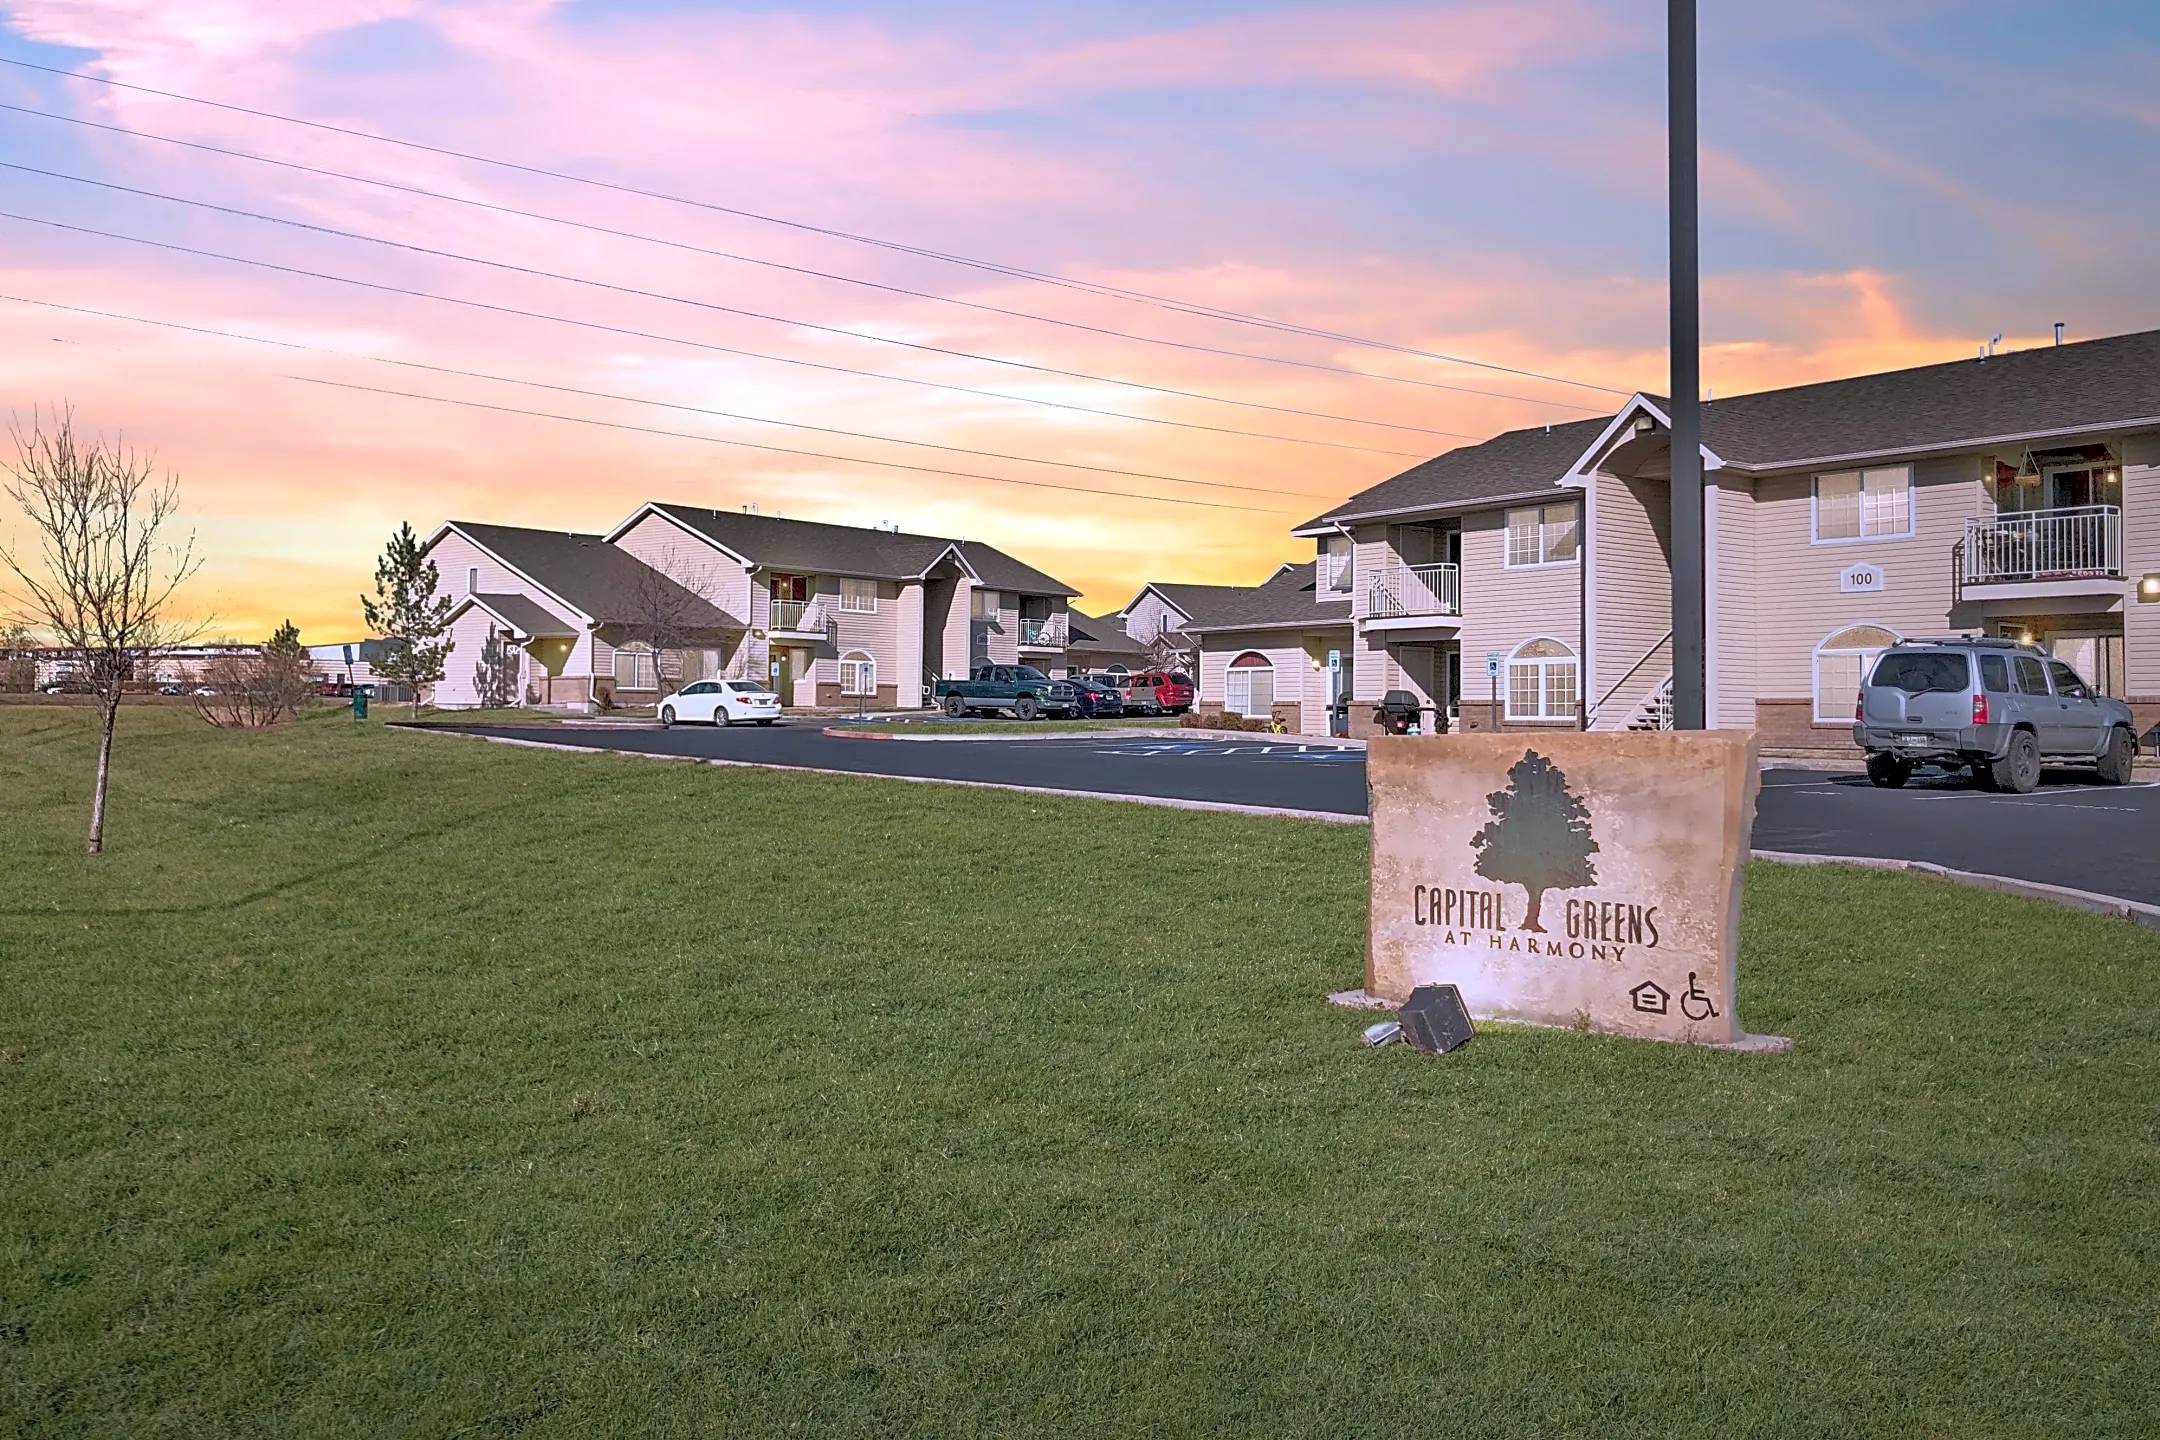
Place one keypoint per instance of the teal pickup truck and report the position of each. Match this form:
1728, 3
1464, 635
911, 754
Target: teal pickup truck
994, 689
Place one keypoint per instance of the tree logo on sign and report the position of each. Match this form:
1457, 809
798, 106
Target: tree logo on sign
1539, 836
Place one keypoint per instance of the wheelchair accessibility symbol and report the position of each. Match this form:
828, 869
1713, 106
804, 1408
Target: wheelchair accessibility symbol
1694, 1003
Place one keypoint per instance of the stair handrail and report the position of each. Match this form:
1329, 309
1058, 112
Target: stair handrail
1594, 710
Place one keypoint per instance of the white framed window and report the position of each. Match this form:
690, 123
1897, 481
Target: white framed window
1544, 535
1544, 681
1840, 661
1864, 504
859, 596
985, 604
1249, 685
472, 580
858, 674
1337, 565
635, 670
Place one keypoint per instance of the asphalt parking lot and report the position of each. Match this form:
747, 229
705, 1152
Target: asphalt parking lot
2072, 831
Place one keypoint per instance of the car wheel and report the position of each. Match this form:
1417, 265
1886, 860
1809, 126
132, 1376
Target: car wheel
2117, 758
1026, 708
721, 717
2019, 770
1888, 772
955, 708
667, 717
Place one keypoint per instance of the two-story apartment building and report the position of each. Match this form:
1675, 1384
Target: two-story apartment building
1278, 650
829, 614
1525, 582
553, 617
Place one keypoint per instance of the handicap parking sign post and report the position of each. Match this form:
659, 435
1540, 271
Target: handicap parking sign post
1492, 680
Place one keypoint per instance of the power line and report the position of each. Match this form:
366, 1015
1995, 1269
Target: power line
642, 400
602, 328
779, 449
500, 209
711, 305
993, 267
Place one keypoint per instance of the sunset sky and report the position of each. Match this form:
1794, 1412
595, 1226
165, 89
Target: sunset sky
1884, 184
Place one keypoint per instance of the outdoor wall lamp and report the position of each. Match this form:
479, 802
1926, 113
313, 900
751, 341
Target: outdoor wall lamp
2149, 589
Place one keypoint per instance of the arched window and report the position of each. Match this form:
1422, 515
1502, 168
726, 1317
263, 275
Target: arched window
858, 674
1543, 681
1117, 670
1840, 661
1249, 687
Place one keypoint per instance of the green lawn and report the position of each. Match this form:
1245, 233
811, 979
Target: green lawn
382, 1083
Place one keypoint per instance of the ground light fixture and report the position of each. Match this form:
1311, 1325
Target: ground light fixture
1435, 1020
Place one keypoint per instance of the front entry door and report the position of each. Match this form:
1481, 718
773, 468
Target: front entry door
776, 674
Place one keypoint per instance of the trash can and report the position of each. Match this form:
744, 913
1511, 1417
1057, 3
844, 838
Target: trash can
359, 703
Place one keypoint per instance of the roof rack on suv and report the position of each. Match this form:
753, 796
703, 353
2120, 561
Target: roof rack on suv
1999, 641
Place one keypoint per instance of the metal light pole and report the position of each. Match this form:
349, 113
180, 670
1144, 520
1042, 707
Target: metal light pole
1687, 489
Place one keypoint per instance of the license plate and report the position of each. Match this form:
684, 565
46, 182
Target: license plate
1910, 742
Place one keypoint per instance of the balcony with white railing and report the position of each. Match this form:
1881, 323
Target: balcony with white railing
799, 617
1045, 633
2039, 546
1410, 592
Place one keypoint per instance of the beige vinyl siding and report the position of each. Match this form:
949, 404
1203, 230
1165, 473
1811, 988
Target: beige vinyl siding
690, 561
907, 620
1734, 598
1502, 608
1633, 575
459, 689
2141, 556
1798, 580
1149, 617
455, 556
1005, 635
959, 630
1296, 660
874, 633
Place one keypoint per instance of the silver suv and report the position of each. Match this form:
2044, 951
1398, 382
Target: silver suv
1991, 706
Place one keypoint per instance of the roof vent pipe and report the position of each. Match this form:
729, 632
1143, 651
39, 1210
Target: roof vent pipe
2058, 332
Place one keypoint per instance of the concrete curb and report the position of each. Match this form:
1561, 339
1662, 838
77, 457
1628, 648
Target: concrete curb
2133, 911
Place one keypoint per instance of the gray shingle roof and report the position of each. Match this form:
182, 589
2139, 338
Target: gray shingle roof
604, 581
1002, 572
1519, 462
1284, 599
815, 548
526, 614
2089, 385
2106, 384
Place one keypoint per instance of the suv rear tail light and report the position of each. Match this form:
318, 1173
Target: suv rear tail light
1859, 706
1980, 708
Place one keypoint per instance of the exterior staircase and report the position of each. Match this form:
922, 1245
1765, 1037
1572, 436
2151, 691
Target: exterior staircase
1656, 710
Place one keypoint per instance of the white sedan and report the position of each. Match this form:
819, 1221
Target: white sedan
721, 702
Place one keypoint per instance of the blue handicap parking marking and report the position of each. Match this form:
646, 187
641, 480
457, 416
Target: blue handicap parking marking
1275, 751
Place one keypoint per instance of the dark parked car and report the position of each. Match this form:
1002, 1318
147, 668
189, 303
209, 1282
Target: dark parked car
1095, 698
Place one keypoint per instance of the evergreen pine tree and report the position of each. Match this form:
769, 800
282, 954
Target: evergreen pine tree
408, 615
1539, 836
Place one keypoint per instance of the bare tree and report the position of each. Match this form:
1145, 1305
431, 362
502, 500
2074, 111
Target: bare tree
18, 658
100, 579
253, 691
670, 615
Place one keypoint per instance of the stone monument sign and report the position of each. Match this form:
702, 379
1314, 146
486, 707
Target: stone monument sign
1564, 878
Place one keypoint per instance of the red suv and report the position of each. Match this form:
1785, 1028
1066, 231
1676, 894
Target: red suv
1158, 693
